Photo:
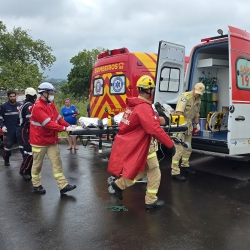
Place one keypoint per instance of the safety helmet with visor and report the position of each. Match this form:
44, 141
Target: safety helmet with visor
46, 87
145, 83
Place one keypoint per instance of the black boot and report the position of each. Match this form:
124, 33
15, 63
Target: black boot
158, 203
26, 177
178, 177
187, 170
6, 159
6, 163
39, 190
67, 188
118, 191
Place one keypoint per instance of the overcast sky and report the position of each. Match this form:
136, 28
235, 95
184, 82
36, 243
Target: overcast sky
69, 26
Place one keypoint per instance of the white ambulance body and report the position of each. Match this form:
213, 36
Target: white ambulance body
227, 59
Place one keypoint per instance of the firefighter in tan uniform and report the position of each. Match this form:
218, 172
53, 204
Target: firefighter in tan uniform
138, 127
188, 105
152, 171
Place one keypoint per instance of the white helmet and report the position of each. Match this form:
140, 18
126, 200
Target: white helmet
30, 91
46, 87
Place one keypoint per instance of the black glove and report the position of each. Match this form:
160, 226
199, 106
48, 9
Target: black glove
173, 150
162, 114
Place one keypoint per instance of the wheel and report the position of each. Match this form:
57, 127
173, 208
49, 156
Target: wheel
110, 179
111, 190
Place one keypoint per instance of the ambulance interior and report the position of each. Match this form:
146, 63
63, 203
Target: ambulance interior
210, 65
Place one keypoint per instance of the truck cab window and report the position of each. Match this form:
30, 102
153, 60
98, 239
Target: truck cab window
170, 80
118, 85
98, 87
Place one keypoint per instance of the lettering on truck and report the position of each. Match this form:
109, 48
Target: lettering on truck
114, 78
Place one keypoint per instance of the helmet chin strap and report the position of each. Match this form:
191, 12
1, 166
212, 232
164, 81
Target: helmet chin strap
145, 91
47, 98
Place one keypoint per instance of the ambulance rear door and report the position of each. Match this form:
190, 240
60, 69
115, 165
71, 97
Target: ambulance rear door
239, 87
169, 77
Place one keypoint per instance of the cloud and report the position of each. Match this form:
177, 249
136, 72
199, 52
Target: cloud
69, 26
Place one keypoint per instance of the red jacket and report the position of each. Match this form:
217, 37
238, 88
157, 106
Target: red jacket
131, 146
45, 123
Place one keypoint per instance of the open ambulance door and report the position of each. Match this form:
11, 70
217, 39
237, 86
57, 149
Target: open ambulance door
239, 92
169, 79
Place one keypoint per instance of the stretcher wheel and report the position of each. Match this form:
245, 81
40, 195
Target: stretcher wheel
110, 179
111, 190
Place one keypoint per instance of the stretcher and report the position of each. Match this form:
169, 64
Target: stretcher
108, 133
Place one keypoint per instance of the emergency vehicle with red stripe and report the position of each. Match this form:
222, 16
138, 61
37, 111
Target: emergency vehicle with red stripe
222, 63
114, 78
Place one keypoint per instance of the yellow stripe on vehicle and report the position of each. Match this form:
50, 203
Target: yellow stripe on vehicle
146, 60
99, 102
154, 56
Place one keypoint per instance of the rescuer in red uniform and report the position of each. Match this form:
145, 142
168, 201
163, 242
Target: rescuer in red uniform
45, 123
131, 146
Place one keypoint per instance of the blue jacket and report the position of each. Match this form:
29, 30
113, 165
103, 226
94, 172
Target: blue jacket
9, 115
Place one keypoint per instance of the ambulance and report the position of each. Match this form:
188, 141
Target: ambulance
114, 78
222, 63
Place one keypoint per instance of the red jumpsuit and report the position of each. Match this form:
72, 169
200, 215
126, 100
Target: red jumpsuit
130, 149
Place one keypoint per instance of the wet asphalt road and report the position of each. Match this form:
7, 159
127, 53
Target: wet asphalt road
209, 211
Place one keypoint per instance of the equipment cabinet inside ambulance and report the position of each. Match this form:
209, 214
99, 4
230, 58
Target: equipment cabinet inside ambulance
114, 78
222, 63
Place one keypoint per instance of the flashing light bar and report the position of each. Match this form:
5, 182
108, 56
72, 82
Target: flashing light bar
213, 38
113, 52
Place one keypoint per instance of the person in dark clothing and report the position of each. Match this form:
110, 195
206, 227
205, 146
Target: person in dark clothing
88, 109
23, 132
8, 123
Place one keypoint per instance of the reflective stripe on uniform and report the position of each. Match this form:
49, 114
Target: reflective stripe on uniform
36, 150
175, 162
27, 153
152, 155
58, 175
152, 191
11, 113
58, 117
36, 123
36, 175
40, 124
185, 159
7, 149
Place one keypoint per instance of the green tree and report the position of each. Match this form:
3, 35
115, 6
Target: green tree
22, 59
80, 75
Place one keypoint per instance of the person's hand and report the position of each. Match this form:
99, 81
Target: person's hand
173, 150
162, 114
70, 129
198, 127
4, 129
